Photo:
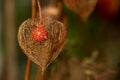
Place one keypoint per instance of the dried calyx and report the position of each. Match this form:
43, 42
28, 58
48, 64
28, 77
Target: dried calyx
42, 39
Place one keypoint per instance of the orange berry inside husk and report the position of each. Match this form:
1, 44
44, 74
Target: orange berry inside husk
39, 34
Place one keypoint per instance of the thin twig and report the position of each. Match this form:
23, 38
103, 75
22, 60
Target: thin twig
28, 66
27, 72
40, 11
33, 9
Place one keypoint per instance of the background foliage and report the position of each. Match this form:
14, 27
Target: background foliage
95, 41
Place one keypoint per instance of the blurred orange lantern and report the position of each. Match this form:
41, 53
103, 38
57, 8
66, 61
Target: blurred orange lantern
108, 9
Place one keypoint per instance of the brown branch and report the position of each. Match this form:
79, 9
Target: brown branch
28, 66
33, 9
40, 11
10, 40
27, 72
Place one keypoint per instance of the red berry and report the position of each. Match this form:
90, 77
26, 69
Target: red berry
39, 33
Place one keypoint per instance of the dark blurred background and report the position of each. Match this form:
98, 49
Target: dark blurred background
92, 48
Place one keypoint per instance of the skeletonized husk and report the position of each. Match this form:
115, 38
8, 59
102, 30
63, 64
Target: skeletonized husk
83, 8
42, 53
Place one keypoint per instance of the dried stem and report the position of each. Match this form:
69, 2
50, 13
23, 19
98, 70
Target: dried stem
28, 66
9, 32
27, 72
40, 11
33, 9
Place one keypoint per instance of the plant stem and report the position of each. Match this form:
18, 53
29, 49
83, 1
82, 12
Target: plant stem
40, 11
33, 9
9, 32
28, 66
27, 72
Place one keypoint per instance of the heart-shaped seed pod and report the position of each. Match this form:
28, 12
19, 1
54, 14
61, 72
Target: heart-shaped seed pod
42, 49
83, 8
